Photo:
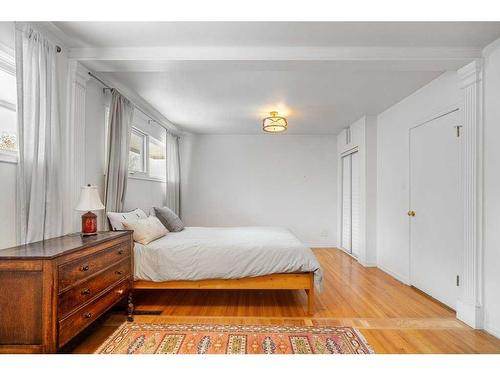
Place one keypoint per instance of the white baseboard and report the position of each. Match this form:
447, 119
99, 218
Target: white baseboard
320, 245
470, 314
495, 331
489, 326
367, 263
397, 276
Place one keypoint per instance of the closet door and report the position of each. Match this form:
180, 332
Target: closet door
346, 238
355, 219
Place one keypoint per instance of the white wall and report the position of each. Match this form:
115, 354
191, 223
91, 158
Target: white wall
393, 168
492, 189
262, 180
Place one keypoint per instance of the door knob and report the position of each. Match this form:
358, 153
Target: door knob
411, 213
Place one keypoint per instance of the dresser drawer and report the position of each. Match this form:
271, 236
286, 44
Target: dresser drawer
75, 271
85, 291
81, 318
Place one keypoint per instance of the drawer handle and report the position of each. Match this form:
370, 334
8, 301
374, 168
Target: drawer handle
84, 268
86, 292
118, 272
87, 315
120, 252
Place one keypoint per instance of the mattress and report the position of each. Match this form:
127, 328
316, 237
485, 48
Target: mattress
199, 253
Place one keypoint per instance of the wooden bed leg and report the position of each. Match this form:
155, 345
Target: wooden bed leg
310, 301
310, 295
130, 308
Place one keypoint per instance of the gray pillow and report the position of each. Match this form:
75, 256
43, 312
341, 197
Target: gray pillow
169, 219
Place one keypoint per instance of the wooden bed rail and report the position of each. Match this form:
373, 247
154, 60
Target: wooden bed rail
280, 281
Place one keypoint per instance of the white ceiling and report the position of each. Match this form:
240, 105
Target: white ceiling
215, 100
223, 78
413, 34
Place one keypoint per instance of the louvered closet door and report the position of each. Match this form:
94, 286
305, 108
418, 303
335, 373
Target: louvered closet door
346, 203
355, 219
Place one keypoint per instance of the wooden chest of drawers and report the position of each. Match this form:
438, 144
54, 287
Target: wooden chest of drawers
52, 290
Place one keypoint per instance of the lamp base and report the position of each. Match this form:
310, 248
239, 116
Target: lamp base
89, 224
88, 234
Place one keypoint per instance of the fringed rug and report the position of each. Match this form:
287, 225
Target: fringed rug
150, 338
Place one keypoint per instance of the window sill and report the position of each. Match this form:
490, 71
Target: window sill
146, 178
8, 157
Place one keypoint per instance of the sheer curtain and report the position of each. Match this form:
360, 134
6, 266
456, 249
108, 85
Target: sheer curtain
173, 174
119, 126
39, 179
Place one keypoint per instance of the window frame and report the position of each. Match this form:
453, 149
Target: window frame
147, 138
7, 65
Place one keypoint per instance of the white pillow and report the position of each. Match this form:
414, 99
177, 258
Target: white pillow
146, 230
116, 218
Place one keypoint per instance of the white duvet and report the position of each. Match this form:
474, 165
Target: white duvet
198, 253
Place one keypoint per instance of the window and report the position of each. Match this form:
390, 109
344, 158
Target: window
157, 158
8, 115
147, 156
136, 159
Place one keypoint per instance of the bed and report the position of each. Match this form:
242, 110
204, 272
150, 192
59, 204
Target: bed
228, 258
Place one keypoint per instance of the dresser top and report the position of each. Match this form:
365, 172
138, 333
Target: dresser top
58, 246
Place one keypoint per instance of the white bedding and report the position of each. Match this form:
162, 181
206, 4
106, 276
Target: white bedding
198, 253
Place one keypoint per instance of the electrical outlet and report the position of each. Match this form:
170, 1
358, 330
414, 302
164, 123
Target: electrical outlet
324, 233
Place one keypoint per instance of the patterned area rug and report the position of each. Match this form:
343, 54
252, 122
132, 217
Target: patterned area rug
148, 338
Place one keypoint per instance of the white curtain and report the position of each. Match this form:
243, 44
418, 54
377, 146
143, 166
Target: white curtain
119, 126
39, 180
173, 174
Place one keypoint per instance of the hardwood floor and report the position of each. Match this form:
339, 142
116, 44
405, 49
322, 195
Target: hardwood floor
395, 318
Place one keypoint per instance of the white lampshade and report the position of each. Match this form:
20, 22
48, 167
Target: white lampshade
89, 199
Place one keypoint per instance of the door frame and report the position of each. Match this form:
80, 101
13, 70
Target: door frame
470, 303
444, 112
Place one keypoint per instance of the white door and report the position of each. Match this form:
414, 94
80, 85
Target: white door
435, 229
355, 219
350, 203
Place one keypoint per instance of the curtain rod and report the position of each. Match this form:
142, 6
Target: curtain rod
106, 87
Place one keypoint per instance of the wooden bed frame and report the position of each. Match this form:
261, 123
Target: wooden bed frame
283, 281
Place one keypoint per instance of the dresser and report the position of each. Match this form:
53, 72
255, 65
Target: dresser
52, 290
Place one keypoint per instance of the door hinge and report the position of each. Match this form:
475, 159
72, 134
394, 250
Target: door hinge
458, 280
458, 127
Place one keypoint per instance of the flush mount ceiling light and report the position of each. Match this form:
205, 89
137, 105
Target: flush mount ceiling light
274, 123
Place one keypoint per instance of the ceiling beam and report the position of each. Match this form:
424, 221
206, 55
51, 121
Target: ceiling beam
274, 54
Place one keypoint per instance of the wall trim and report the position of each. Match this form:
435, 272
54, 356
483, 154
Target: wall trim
470, 302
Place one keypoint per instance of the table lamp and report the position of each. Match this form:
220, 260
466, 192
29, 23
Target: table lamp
89, 201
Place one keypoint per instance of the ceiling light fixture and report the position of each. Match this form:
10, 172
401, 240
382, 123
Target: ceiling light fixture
274, 123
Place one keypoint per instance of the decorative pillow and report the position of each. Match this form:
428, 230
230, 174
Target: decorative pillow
168, 218
116, 218
146, 230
